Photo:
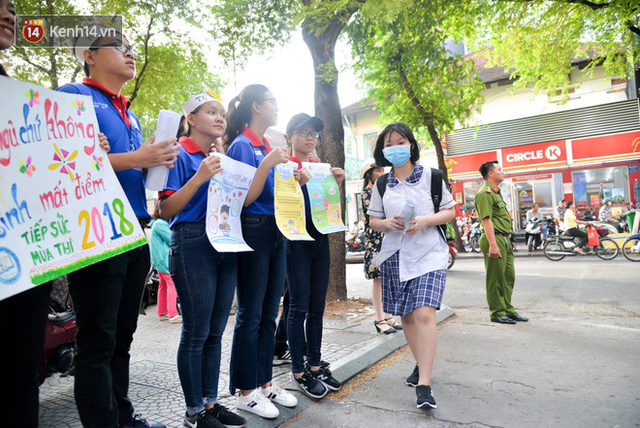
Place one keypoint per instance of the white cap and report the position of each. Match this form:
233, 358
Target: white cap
94, 32
197, 100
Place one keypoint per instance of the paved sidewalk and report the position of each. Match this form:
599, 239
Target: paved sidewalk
350, 345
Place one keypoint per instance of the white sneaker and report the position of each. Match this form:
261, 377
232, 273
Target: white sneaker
258, 404
279, 395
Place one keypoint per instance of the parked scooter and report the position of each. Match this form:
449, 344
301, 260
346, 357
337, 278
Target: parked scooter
453, 252
355, 243
60, 334
533, 234
474, 237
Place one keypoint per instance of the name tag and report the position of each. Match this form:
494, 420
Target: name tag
258, 152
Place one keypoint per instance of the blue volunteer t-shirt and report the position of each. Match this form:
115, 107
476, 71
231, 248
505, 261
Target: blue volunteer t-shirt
186, 166
122, 137
247, 148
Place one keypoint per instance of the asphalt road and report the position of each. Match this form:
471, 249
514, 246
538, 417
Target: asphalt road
575, 364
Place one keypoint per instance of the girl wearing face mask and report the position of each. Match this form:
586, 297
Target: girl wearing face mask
205, 279
413, 257
260, 272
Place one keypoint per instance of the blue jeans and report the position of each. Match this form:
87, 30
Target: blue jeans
308, 268
205, 281
260, 283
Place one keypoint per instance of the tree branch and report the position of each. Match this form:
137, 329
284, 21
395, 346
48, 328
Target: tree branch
136, 87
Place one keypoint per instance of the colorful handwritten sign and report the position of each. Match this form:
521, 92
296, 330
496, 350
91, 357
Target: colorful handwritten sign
289, 204
227, 192
324, 195
61, 205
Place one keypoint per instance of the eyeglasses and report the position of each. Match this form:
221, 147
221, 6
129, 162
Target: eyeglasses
304, 134
120, 48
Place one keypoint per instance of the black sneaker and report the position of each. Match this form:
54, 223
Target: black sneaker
310, 385
324, 375
201, 420
138, 422
425, 397
226, 417
412, 380
323, 364
279, 360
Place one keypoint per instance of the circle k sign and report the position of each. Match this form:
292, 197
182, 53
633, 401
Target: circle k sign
552, 153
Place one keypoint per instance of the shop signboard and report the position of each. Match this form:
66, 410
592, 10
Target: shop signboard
607, 147
538, 155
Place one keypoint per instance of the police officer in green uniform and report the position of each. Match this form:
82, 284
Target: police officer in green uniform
496, 245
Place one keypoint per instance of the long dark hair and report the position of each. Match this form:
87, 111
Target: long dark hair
368, 177
239, 112
403, 130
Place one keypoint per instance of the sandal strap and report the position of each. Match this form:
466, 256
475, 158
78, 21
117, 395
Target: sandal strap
381, 322
390, 318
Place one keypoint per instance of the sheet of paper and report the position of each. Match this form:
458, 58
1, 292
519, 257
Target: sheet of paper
324, 195
289, 204
227, 192
61, 205
167, 127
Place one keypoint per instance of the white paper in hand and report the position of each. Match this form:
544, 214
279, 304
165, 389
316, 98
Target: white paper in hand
167, 127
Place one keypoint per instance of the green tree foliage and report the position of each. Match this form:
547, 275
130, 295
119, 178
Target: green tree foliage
47, 67
403, 60
171, 68
536, 39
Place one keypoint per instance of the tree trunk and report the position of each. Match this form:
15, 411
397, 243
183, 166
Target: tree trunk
321, 44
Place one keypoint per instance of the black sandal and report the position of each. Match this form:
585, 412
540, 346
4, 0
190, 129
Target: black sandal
395, 324
387, 331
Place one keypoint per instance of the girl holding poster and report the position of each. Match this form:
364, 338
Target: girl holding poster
413, 258
308, 266
205, 279
260, 272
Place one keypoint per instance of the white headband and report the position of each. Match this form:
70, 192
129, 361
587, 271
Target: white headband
197, 100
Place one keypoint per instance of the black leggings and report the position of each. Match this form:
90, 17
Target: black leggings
584, 238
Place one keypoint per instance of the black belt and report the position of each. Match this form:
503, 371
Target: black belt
508, 235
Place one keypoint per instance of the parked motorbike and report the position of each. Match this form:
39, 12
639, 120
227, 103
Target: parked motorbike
355, 243
474, 237
560, 246
631, 248
453, 252
60, 334
533, 234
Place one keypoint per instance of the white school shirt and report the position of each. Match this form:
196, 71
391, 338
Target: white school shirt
424, 252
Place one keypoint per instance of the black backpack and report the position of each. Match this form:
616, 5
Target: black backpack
436, 194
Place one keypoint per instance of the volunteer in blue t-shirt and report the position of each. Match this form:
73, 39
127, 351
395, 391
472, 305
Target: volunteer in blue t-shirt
308, 266
107, 295
260, 272
205, 279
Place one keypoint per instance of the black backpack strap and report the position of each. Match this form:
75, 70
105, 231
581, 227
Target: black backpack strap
381, 184
436, 188
436, 197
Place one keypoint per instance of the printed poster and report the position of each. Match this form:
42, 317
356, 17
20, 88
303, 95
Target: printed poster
61, 205
324, 196
289, 203
227, 192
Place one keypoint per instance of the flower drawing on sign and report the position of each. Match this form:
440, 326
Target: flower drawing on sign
79, 106
33, 97
26, 167
63, 160
97, 163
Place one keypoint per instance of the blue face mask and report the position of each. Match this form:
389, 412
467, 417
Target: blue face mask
397, 155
